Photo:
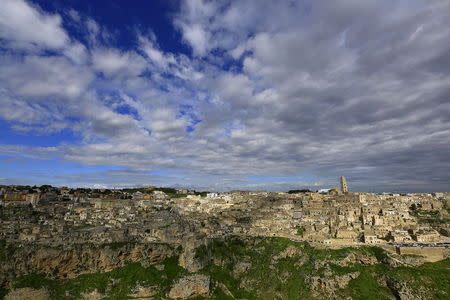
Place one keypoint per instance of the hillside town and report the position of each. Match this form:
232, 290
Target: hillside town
65, 233
56, 215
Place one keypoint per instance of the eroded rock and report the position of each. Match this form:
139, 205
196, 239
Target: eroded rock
329, 284
144, 292
93, 295
79, 259
28, 294
190, 286
403, 291
241, 267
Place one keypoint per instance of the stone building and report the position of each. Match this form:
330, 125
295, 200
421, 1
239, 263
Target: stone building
344, 187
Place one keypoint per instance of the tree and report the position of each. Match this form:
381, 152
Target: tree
299, 191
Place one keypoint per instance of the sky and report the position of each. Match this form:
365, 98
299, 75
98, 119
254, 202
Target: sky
223, 95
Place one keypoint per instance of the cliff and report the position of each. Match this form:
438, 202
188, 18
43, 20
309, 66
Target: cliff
226, 268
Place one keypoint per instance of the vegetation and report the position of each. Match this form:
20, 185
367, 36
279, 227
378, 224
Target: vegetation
201, 194
428, 216
299, 191
274, 268
300, 230
116, 284
201, 252
6, 250
177, 195
3, 292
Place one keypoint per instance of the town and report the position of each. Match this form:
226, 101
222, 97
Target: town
63, 233
333, 217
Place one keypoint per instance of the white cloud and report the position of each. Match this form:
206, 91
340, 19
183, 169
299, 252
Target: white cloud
25, 26
113, 62
165, 124
197, 37
194, 16
77, 53
93, 30
43, 77
17, 110
74, 15
150, 48
235, 88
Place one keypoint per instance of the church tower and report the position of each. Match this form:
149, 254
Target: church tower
344, 187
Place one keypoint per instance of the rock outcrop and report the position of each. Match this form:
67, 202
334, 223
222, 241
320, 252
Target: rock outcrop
396, 260
357, 258
403, 291
93, 295
28, 294
189, 259
289, 252
241, 267
191, 286
329, 284
78, 259
144, 292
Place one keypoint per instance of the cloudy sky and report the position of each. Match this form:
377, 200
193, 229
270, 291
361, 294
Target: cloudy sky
219, 95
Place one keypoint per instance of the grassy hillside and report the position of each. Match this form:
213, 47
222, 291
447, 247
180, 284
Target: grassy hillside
266, 268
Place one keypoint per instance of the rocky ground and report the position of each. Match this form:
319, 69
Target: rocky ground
231, 268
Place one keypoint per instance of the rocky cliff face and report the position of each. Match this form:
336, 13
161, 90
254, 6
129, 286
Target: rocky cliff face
226, 268
74, 260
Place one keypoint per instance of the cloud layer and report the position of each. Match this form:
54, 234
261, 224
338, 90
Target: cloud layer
273, 95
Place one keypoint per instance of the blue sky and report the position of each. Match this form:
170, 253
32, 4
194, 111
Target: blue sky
224, 95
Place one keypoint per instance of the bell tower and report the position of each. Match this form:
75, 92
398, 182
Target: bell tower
344, 187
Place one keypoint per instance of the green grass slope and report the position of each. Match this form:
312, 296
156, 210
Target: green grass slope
263, 268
